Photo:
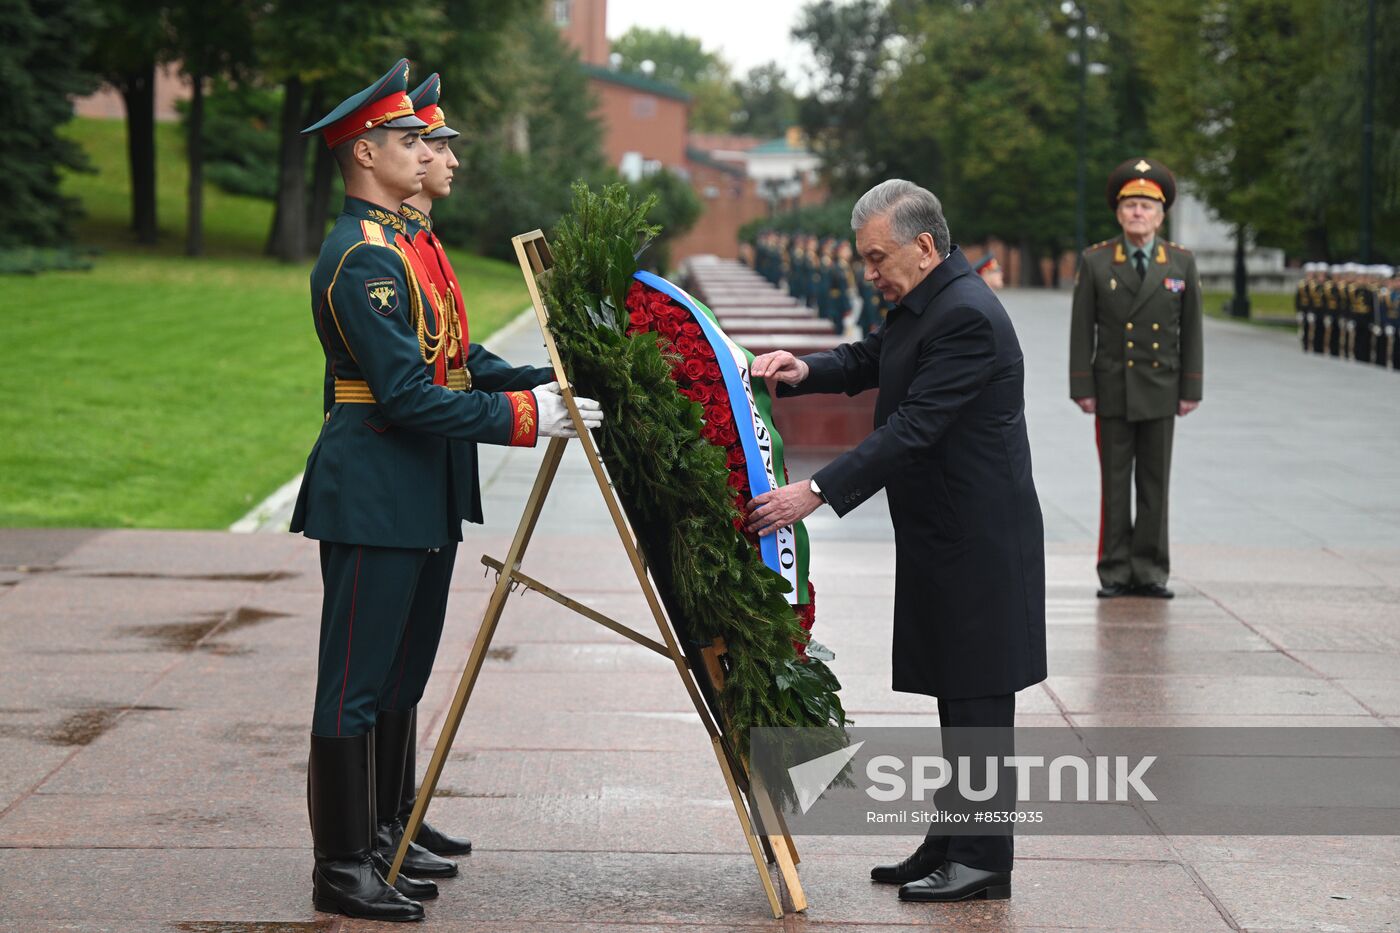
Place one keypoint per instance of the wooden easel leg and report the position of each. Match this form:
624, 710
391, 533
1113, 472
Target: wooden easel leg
774, 902
553, 454
781, 845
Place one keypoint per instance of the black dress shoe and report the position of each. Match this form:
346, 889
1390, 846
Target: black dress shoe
408, 887
925, 860
1114, 590
957, 882
1154, 591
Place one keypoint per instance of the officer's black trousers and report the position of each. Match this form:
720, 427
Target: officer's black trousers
370, 655
989, 853
1133, 548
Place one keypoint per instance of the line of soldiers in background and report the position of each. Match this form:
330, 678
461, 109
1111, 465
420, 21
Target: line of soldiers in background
824, 274
1349, 310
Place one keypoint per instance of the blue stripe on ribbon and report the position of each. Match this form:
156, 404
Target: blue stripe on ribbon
738, 403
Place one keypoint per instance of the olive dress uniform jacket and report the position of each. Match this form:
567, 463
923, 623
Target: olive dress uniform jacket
1135, 344
379, 473
950, 450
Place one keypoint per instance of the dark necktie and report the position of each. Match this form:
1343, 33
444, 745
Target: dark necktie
1140, 263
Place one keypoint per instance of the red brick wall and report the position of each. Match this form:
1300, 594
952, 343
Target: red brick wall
636, 121
586, 30
728, 203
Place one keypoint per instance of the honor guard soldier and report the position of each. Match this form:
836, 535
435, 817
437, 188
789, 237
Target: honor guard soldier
1333, 297
797, 268
1361, 303
1388, 313
1303, 304
1135, 364
378, 491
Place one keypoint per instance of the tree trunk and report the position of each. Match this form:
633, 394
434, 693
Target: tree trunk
288, 238
138, 91
194, 148
1239, 305
322, 177
1030, 268
322, 180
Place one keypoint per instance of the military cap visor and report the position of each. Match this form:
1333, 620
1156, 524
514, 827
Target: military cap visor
384, 103
1141, 178
426, 99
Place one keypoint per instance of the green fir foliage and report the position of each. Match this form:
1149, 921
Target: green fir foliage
672, 482
40, 74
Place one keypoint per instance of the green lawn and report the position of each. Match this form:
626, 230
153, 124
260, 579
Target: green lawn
1270, 309
159, 391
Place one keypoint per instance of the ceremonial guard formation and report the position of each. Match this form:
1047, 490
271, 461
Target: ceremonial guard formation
1135, 364
824, 275
388, 484
1349, 311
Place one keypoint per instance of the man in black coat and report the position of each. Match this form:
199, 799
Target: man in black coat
951, 452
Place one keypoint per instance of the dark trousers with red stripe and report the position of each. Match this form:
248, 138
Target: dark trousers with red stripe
381, 620
1134, 456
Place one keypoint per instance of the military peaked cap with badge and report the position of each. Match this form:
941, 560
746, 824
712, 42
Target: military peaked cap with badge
1141, 178
425, 100
384, 103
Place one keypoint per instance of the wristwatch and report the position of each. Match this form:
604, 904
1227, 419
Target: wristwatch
812, 484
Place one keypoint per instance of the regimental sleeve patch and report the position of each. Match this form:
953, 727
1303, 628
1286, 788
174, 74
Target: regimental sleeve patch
383, 295
524, 418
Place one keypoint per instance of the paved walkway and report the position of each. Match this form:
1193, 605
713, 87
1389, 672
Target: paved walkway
156, 690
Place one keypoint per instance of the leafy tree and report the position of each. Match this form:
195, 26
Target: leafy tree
992, 128
317, 52
767, 102
528, 132
682, 61
132, 37
1325, 160
210, 40
851, 44
41, 74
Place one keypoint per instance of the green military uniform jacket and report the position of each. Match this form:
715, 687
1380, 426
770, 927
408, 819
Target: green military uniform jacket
380, 472
1135, 345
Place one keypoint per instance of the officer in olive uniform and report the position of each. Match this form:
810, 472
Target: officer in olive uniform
1303, 310
378, 487
1135, 364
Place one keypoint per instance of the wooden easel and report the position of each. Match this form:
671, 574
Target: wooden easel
533, 253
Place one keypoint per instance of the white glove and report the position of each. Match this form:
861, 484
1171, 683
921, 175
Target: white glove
554, 414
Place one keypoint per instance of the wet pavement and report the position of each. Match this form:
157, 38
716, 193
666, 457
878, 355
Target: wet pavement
158, 685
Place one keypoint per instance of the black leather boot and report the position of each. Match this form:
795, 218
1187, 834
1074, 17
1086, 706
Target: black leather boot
345, 880
435, 841
393, 741
957, 882
924, 862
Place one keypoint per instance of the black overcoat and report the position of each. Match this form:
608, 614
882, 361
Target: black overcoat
951, 452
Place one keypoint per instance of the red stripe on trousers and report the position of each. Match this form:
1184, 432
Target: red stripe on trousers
1103, 482
349, 638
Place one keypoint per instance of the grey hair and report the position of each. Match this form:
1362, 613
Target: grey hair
913, 210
